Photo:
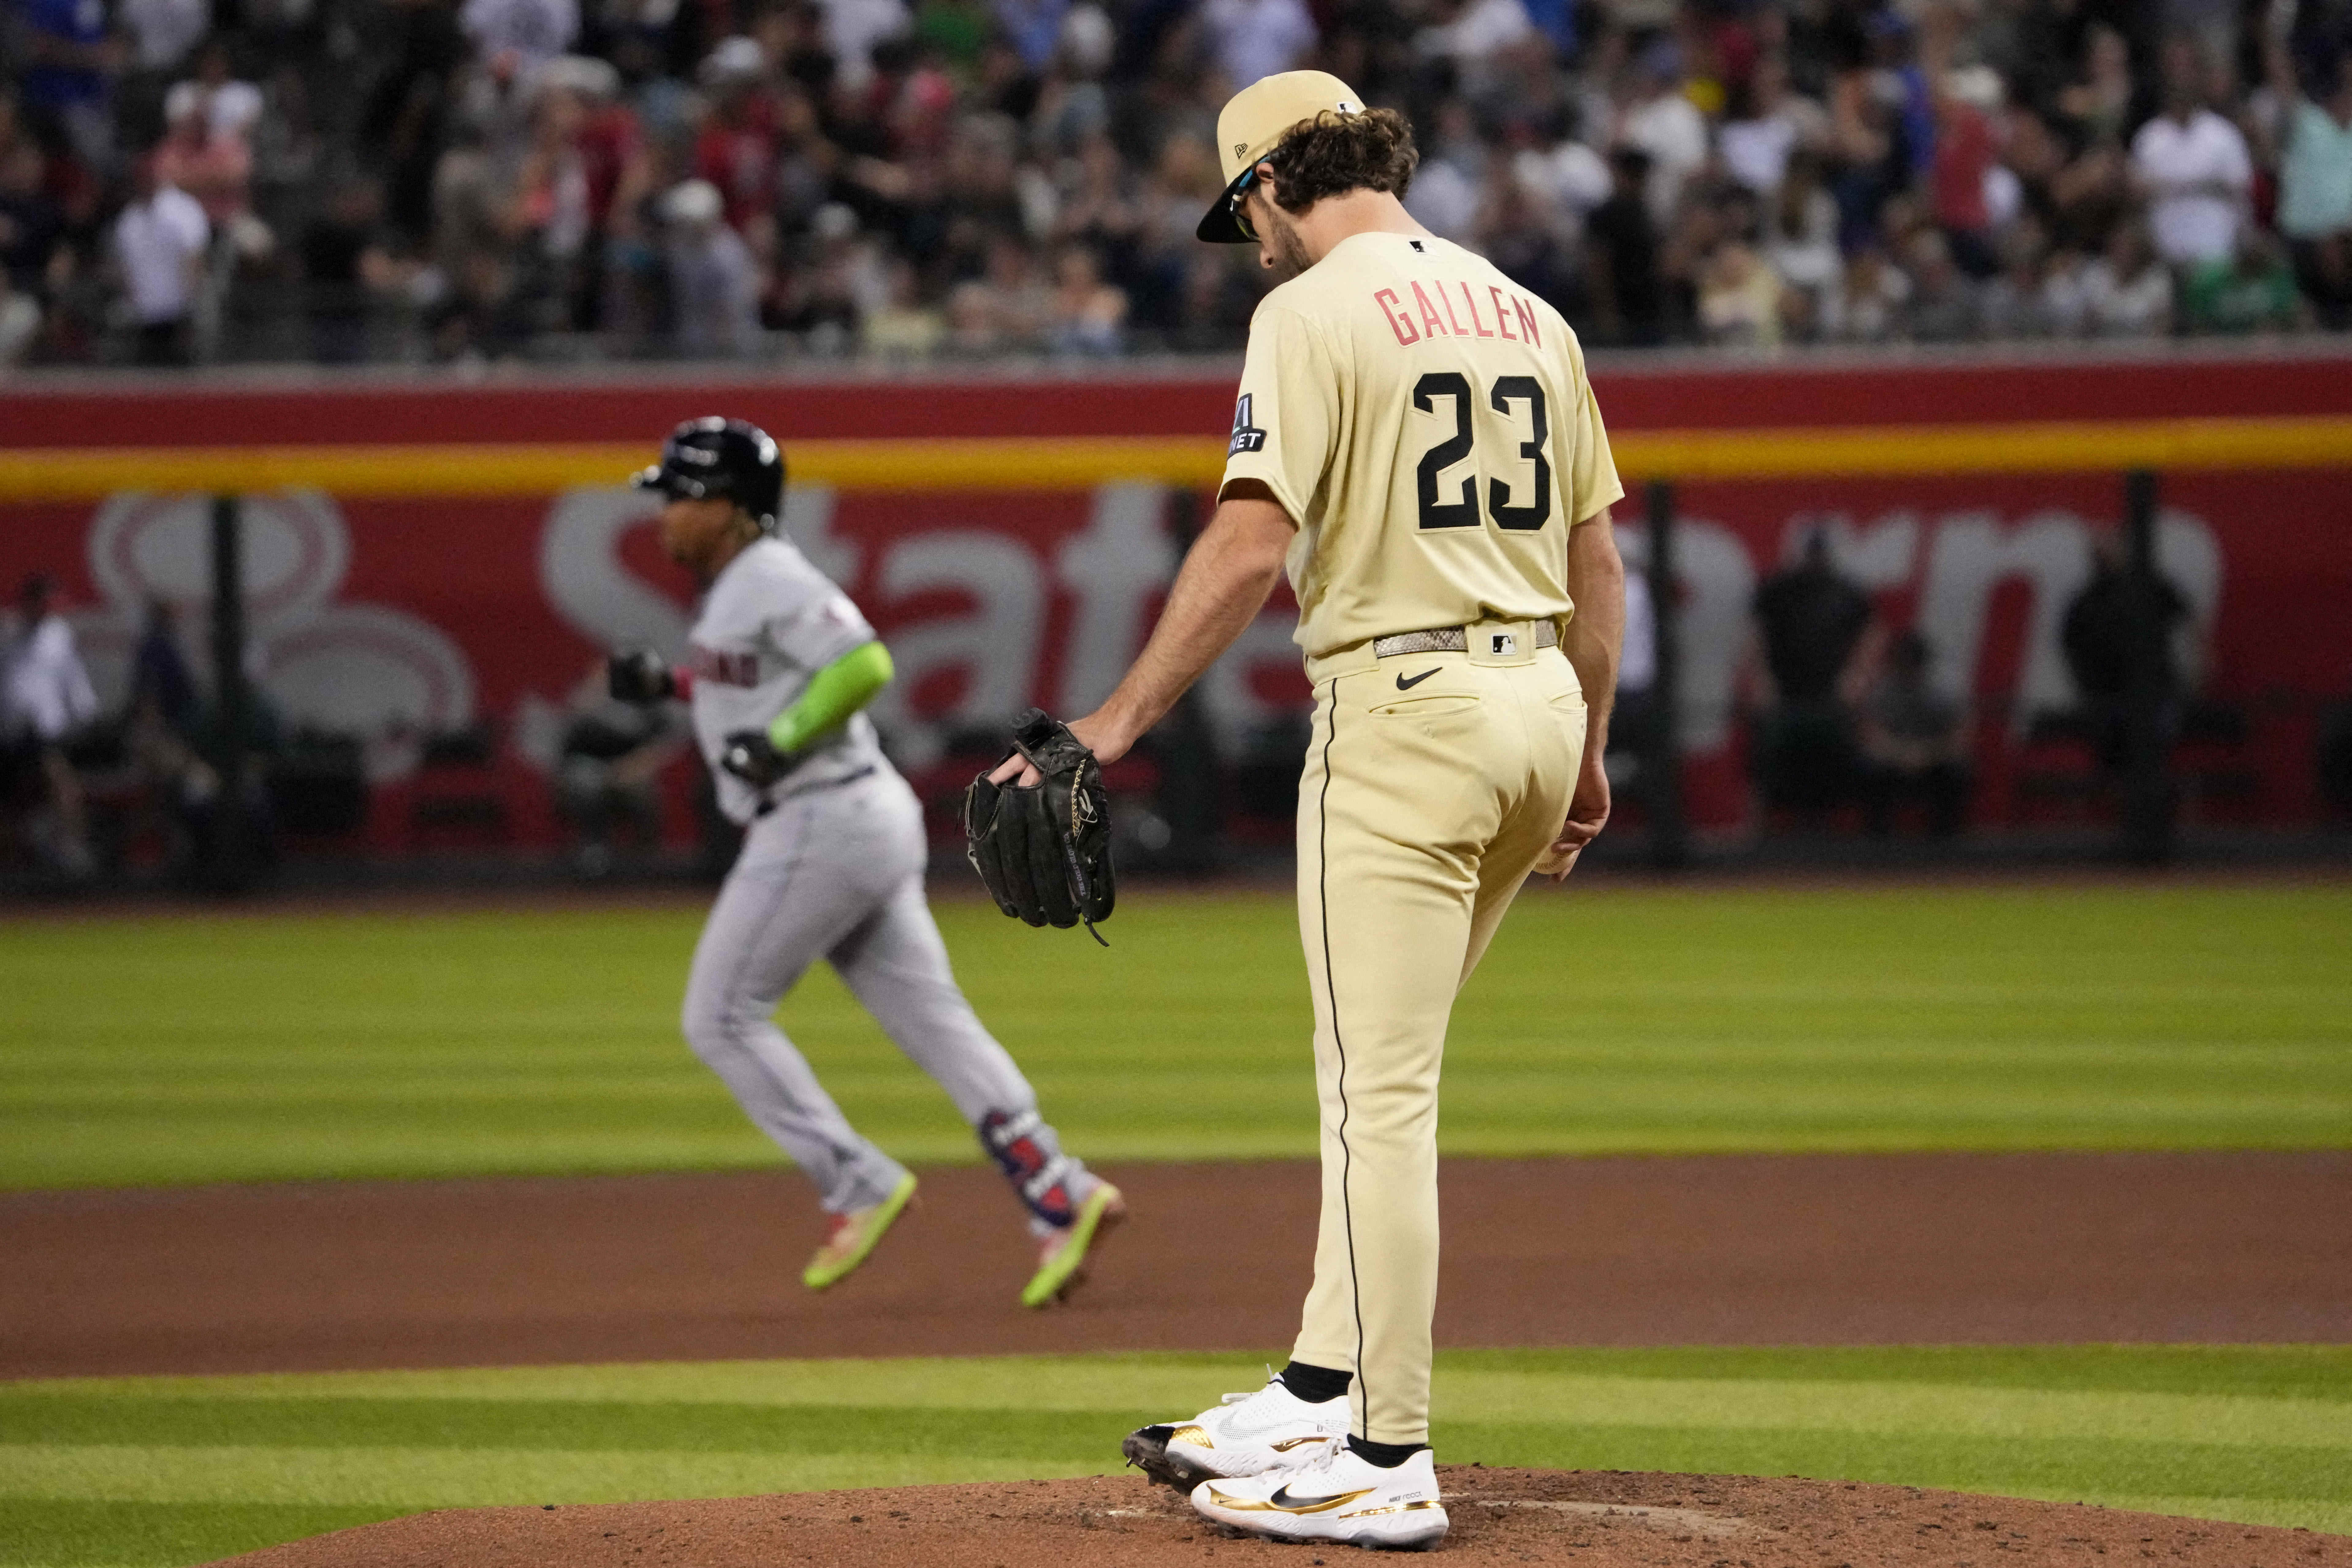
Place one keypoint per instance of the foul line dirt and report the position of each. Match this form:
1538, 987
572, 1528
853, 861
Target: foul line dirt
1853, 1249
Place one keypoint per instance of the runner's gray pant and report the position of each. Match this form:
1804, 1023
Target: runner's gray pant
837, 873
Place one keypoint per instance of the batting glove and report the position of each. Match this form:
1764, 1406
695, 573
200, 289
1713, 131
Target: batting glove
750, 756
639, 675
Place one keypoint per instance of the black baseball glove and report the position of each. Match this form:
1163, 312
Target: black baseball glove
1044, 850
750, 756
639, 675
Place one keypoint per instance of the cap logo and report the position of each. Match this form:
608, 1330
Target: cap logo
1240, 149
1344, 107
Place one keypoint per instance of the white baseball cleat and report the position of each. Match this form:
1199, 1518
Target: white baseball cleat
1247, 1435
1340, 1498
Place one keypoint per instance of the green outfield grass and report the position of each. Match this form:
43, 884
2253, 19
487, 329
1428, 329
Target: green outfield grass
155, 1471
207, 1046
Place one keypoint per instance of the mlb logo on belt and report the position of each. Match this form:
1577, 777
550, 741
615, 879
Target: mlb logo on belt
1502, 643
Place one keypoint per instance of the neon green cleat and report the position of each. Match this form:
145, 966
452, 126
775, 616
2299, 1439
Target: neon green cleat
1061, 1265
854, 1237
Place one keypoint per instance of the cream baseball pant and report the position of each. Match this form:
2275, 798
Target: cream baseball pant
1434, 782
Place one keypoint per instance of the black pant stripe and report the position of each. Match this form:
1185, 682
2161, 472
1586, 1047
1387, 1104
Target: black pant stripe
1338, 1044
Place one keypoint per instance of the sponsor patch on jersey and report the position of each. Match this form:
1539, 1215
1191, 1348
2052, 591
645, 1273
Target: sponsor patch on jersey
1247, 437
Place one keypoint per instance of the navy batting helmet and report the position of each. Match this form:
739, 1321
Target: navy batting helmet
716, 459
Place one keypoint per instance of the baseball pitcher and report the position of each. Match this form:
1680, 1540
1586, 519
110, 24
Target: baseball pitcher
1416, 439
780, 664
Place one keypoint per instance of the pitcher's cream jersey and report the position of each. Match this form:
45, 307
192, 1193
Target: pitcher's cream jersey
1428, 425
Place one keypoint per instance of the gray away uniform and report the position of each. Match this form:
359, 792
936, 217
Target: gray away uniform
832, 867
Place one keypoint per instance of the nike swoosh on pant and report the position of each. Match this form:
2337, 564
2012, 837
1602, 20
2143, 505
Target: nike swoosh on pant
1404, 685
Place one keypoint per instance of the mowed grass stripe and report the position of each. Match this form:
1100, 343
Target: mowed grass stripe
1044, 1429
2256, 1433
162, 1048
2016, 1465
581, 1427
412, 1479
1169, 1379
116, 1534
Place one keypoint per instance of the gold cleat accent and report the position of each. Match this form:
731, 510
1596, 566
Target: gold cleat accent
1280, 1502
1197, 1438
1289, 1443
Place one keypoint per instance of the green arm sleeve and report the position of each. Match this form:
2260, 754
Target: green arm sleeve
836, 692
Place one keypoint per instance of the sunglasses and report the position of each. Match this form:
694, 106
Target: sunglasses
1237, 203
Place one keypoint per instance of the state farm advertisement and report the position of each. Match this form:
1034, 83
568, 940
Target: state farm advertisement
393, 621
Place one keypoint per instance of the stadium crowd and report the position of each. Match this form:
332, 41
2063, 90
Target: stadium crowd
452, 180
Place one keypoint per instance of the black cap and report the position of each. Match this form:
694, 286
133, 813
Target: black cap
717, 459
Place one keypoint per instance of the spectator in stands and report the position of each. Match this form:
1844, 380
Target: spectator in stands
513, 36
2314, 211
1445, 193
31, 227
68, 62
2192, 166
1943, 307
1962, 162
713, 283
1766, 125
2125, 293
1912, 743
2039, 291
2251, 291
904, 326
205, 154
2098, 102
229, 107
161, 33
1621, 256
1739, 299
736, 149
1867, 305
1799, 243
1811, 626
46, 699
1659, 119
1086, 316
160, 241
522, 181
1255, 39
345, 262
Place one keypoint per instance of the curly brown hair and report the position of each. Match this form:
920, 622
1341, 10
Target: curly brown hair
1332, 155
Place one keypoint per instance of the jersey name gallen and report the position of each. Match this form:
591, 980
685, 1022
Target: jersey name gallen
1420, 318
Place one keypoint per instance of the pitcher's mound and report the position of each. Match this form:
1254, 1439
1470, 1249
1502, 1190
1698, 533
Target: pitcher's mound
1593, 1519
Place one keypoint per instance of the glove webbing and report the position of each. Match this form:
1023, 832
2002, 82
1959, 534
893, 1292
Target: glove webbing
1070, 858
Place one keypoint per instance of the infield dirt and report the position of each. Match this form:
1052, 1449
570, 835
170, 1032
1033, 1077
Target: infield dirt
1832, 1249
1593, 1520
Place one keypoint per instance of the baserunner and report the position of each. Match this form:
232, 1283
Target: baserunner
780, 665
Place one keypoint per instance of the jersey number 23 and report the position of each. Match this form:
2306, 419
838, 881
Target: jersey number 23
1529, 487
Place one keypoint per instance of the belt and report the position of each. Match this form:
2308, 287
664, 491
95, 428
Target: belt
1451, 640
767, 805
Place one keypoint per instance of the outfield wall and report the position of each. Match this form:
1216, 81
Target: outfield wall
422, 555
